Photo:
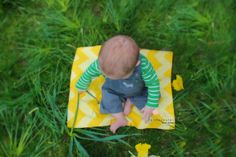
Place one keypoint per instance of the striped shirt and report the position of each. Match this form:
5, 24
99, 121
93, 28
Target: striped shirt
149, 77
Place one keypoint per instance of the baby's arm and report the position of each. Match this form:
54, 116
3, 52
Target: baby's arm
91, 72
153, 84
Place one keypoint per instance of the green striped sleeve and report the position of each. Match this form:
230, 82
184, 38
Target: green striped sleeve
91, 72
151, 82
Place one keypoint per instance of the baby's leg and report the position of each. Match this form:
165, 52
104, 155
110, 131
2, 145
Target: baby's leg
120, 121
127, 107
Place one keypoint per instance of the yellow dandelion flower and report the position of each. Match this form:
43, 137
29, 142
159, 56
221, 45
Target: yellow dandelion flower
178, 83
142, 149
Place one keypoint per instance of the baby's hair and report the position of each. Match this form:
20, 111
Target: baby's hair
118, 56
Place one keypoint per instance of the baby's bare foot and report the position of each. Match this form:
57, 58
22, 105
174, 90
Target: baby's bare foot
117, 125
127, 107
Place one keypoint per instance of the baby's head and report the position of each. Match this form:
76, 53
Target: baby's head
118, 57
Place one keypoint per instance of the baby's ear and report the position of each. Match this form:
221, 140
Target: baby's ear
137, 63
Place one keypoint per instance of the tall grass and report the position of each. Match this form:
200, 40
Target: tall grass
37, 45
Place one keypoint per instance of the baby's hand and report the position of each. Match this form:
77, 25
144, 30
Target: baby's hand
147, 113
81, 92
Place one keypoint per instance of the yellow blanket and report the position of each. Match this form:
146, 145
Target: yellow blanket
88, 114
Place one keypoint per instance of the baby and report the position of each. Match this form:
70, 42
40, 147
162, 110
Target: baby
129, 80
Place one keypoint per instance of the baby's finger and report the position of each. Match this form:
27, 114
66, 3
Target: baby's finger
143, 115
145, 118
142, 110
148, 117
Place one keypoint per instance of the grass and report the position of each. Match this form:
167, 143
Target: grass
38, 43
